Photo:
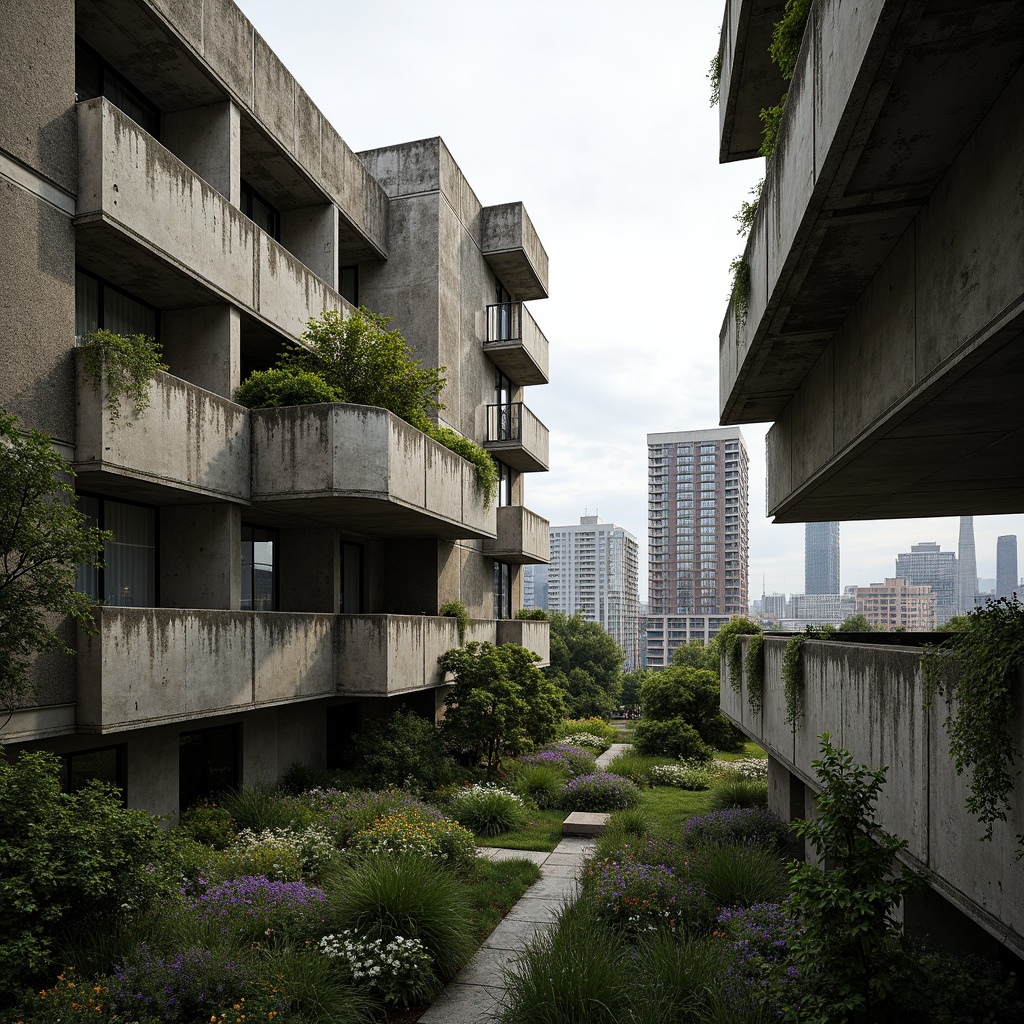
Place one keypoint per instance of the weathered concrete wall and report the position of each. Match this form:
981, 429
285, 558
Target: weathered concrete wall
524, 359
533, 634
186, 440
131, 185
201, 567
869, 698
512, 247
523, 536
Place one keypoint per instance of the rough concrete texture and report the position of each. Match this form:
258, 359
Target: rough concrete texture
533, 634
511, 246
523, 537
524, 359
476, 994
527, 453
886, 297
870, 699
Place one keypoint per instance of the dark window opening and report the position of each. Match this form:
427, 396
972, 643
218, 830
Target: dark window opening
502, 590
259, 580
260, 211
101, 305
505, 481
128, 578
348, 284
95, 77
343, 722
106, 764
351, 578
208, 763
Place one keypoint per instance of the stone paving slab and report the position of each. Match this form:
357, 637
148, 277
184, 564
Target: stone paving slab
486, 967
465, 1004
512, 936
539, 909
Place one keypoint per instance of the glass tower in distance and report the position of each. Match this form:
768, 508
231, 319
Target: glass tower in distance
697, 522
821, 558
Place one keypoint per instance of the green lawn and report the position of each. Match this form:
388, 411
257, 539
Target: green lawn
668, 807
542, 831
750, 749
494, 888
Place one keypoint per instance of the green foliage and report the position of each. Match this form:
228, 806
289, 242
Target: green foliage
740, 294
748, 210
260, 806
268, 389
384, 897
714, 76
210, 825
696, 655
739, 792
500, 703
728, 640
126, 363
67, 860
486, 470
771, 121
532, 613
956, 624
793, 678
540, 783
586, 664
43, 541
636, 766
846, 953
787, 36
629, 696
402, 749
456, 610
363, 362
673, 737
683, 696
601, 791
596, 726
487, 810
739, 876
978, 670
856, 624
754, 665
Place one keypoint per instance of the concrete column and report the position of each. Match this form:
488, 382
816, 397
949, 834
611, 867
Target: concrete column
301, 735
309, 571
259, 747
310, 233
152, 769
201, 556
209, 140
203, 346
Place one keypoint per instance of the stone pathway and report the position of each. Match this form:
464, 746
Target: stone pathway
474, 995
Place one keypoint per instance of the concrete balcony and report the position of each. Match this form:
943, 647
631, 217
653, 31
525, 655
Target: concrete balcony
363, 469
886, 303
148, 666
517, 437
513, 250
869, 697
523, 537
146, 222
533, 634
189, 444
515, 343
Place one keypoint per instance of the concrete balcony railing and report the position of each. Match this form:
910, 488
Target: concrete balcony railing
523, 537
147, 222
870, 697
517, 437
363, 468
515, 344
148, 666
533, 634
514, 251
187, 439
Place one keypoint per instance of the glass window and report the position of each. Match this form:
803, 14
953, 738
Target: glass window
505, 480
502, 590
95, 77
260, 211
105, 765
351, 578
349, 284
129, 574
259, 593
207, 763
101, 305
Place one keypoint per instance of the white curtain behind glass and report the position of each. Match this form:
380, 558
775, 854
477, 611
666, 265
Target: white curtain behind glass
130, 575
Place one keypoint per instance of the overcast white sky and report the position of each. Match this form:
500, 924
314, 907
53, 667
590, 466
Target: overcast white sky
596, 115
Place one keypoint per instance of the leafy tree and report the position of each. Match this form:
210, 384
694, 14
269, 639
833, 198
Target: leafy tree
629, 696
696, 654
846, 953
366, 364
856, 624
43, 540
586, 663
67, 860
501, 703
400, 748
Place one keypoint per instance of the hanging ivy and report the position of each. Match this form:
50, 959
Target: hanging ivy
793, 678
978, 671
457, 610
126, 363
754, 665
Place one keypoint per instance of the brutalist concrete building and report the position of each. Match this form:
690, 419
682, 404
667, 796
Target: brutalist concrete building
277, 574
883, 338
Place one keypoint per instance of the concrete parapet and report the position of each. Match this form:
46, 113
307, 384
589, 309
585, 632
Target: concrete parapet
869, 698
533, 634
514, 251
517, 437
523, 358
523, 537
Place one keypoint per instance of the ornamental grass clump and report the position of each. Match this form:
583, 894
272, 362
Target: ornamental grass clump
606, 732
409, 833
600, 791
487, 810
261, 806
396, 971
540, 783
253, 907
346, 813
739, 792
738, 876
747, 826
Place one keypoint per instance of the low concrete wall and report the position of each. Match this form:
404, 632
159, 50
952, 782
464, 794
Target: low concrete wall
187, 439
524, 359
533, 634
523, 537
870, 700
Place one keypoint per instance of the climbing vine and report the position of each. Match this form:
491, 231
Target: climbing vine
714, 75
740, 290
754, 665
978, 672
126, 363
456, 610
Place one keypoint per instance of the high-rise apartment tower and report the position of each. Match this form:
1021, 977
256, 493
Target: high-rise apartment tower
926, 565
594, 571
697, 522
1007, 581
821, 558
967, 567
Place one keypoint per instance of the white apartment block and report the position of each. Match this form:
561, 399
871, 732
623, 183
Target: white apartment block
594, 571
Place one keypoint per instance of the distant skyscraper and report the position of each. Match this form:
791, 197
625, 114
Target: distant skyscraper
967, 567
594, 571
697, 522
821, 558
926, 565
535, 586
1007, 581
